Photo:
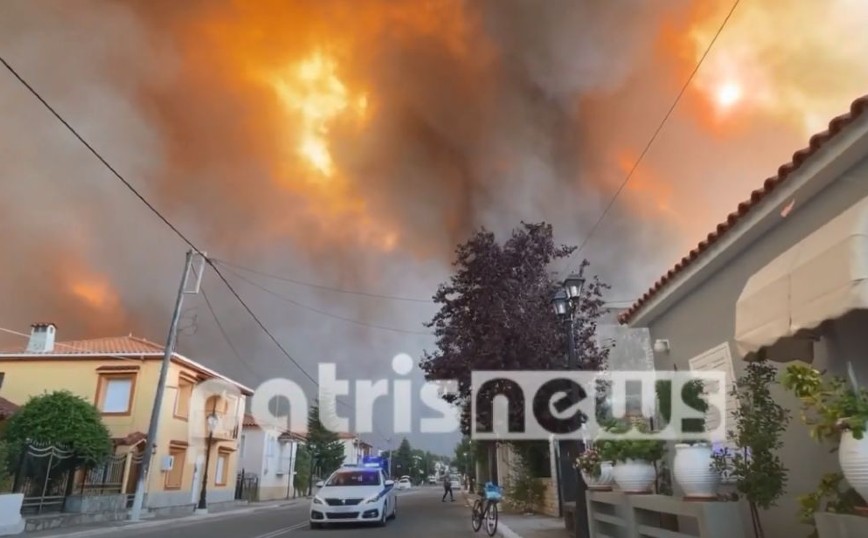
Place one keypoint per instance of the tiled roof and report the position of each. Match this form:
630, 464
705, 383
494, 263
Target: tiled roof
7, 408
857, 109
118, 346
114, 345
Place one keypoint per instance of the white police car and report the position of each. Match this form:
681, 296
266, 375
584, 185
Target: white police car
354, 494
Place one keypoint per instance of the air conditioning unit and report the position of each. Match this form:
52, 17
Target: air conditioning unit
168, 463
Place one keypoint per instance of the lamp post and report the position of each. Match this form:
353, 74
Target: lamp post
567, 302
212, 425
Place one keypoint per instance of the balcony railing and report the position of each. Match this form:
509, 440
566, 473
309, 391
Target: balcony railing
228, 425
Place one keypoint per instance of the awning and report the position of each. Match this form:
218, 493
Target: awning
821, 278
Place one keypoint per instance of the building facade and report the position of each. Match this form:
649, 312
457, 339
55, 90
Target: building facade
354, 448
270, 455
784, 277
120, 376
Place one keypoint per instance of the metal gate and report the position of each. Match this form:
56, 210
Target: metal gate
246, 487
45, 476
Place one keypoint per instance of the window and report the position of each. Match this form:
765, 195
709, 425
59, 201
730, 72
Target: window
183, 397
175, 477
115, 393
2, 376
241, 446
222, 469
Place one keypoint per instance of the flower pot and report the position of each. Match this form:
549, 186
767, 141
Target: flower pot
693, 472
603, 482
634, 476
11, 521
853, 458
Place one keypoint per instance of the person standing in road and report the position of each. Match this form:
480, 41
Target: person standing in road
447, 489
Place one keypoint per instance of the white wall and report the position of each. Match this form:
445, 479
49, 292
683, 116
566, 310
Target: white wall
272, 461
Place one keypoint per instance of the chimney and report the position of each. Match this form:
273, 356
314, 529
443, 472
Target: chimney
41, 338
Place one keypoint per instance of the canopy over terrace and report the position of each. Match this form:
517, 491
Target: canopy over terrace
822, 278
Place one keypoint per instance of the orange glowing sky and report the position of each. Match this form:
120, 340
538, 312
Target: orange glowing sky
296, 100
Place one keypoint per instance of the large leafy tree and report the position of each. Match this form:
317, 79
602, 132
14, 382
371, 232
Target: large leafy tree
323, 445
496, 313
62, 419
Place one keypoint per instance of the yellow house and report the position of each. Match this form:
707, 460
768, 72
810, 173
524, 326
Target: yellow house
120, 376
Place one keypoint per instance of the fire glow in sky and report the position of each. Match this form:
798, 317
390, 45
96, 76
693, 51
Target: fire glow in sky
356, 143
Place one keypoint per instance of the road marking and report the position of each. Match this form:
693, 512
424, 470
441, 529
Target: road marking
278, 532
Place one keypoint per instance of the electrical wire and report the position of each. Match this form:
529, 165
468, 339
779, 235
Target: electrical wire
96, 154
156, 212
323, 312
322, 286
230, 266
656, 133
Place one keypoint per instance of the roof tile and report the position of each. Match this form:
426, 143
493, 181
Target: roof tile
7, 408
120, 345
818, 140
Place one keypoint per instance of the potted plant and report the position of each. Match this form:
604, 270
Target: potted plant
693, 465
634, 470
836, 412
753, 464
596, 473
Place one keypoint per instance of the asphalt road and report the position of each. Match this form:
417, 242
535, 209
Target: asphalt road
420, 515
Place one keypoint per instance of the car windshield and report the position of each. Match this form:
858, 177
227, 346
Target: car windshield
354, 478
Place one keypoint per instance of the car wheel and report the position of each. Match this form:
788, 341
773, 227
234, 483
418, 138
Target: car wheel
315, 526
382, 522
394, 510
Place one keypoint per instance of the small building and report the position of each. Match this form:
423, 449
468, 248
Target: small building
354, 448
270, 455
785, 276
120, 376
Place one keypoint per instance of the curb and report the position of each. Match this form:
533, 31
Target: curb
183, 520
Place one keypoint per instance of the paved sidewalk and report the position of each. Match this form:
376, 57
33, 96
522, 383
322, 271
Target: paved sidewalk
96, 529
525, 526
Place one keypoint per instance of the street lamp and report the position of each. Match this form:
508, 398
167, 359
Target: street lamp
212, 425
566, 303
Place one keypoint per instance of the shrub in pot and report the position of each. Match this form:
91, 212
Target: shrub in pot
634, 470
836, 412
753, 464
596, 473
693, 463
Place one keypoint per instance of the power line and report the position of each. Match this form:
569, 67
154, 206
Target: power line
224, 334
291, 280
656, 132
322, 286
96, 154
327, 314
156, 212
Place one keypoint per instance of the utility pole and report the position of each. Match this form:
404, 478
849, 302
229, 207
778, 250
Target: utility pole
185, 289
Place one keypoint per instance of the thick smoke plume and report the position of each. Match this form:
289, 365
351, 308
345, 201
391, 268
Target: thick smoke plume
354, 144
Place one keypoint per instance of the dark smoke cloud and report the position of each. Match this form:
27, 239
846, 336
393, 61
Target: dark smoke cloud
488, 133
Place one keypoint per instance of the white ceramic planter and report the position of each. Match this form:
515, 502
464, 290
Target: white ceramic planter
634, 476
693, 472
604, 481
11, 521
853, 458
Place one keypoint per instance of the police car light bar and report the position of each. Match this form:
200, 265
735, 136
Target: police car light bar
372, 465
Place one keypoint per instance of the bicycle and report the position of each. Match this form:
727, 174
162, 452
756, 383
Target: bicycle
487, 510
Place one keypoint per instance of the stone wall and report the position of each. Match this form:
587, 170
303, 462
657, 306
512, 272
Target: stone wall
95, 504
